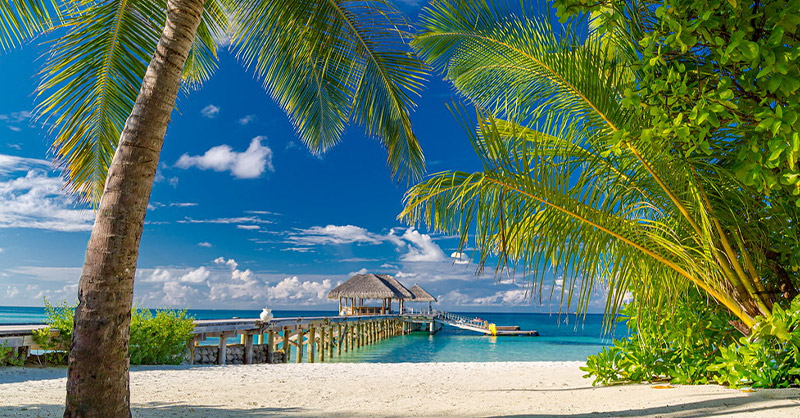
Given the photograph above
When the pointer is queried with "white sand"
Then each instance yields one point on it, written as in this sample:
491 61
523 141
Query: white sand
532 389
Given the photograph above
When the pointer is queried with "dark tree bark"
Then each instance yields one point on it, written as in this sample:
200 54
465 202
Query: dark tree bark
97 383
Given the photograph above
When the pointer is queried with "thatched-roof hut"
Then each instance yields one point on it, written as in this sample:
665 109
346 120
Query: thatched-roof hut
351 294
421 295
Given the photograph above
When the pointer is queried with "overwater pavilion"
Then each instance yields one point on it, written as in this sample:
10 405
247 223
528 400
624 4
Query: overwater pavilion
352 294
421 295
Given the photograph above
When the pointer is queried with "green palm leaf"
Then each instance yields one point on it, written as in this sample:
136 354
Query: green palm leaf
328 62
93 73
22 19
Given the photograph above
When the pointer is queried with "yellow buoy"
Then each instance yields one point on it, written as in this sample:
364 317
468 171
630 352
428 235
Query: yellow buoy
493 329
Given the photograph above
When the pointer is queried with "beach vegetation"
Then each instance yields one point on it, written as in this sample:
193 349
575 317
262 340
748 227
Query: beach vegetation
642 148
111 79
156 338
10 356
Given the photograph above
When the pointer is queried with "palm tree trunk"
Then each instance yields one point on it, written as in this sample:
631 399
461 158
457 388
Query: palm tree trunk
97 383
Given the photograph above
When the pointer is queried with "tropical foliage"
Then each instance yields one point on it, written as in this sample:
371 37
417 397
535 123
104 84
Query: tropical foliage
348 62
584 175
156 338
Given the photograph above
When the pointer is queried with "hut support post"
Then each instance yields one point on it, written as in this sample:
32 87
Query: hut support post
330 343
339 339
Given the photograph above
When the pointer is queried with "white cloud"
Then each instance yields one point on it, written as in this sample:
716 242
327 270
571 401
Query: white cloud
246 119
421 247
10 164
334 234
459 258
249 164
38 201
293 289
13 119
248 227
210 111
230 262
236 220
204 244
507 297
299 249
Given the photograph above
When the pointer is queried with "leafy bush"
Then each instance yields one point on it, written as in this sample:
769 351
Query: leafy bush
9 356
769 357
694 344
59 318
155 339
159 338
676 345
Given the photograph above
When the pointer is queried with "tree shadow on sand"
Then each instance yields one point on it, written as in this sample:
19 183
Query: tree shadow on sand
717 407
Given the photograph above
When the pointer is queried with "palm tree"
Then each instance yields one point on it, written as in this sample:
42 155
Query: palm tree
562 188
326 63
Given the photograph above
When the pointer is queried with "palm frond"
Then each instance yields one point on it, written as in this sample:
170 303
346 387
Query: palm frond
20 20
93 74
522 64
212 32
330 62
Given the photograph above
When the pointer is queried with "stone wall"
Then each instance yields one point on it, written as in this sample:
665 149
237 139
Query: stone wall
208 354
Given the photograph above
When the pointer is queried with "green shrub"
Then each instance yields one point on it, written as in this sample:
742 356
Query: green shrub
695 344
769 357
159 338
10 356
59 318
155 339
676 345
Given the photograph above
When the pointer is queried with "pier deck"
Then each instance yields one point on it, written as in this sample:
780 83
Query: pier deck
315 338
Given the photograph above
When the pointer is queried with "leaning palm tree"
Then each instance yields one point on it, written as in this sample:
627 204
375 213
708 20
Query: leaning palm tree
561 189
326 63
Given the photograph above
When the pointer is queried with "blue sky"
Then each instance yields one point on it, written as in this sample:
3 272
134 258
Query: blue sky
241 215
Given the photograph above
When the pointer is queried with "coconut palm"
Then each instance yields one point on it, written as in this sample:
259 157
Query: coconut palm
325 62
572 180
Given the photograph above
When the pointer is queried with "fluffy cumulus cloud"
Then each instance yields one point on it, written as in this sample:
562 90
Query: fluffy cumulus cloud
459 258
249 164
421 247
294 289
210 111
30 197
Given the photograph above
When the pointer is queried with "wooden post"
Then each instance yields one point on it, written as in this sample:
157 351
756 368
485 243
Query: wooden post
223 349
330 343
260 339
270 346
248 349
312 334
322 344
287 347
300 336
339 339
242 338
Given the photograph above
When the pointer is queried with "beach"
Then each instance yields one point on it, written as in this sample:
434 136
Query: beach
533 389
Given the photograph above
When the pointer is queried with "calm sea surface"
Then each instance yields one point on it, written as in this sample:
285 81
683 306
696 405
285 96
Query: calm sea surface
561 339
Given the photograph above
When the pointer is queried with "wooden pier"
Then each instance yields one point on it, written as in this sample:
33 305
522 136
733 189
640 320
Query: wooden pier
311 339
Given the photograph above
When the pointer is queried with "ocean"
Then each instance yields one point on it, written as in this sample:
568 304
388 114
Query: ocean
562 338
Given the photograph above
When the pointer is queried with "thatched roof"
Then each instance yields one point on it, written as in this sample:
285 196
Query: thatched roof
421 295
370 286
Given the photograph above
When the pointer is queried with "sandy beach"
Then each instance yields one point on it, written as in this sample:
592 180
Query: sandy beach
532 389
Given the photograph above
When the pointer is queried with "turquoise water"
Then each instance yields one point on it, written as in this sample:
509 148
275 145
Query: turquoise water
561 338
